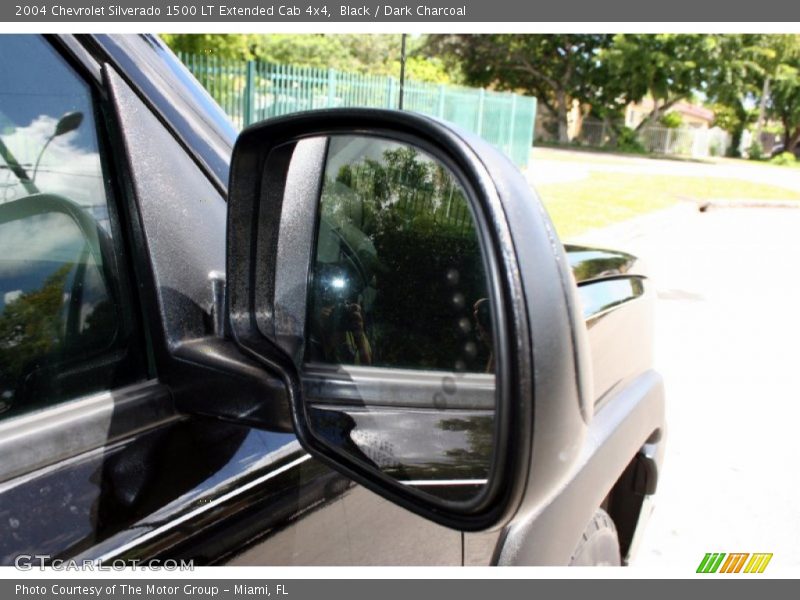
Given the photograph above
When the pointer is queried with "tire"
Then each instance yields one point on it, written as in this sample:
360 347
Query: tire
599 544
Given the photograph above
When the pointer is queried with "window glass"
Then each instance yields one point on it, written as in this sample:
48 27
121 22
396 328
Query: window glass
63 329
398 278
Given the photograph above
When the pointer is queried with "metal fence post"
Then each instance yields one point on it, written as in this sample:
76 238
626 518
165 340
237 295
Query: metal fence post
250 94
390 103
481 98
331 88
511 124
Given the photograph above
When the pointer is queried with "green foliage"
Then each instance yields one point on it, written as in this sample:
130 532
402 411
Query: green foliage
671 120
410 228
319 51
742 75
428 69
628 141
755 152
745 68
367 54
729 118
665 67
31 328
557 69
232 46
784 159
401 191
786 97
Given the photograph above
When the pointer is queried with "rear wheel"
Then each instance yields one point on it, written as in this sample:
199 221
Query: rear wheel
599 544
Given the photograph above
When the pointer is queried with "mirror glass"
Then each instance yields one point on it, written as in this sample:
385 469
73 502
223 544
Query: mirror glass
399 368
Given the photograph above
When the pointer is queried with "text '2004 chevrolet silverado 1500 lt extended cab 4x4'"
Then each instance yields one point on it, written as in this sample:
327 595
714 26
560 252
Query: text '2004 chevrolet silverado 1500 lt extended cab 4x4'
343 337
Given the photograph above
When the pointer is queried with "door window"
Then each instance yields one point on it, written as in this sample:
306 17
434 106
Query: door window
64 327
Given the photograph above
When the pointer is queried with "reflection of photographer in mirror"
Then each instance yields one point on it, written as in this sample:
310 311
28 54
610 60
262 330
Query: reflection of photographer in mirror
338 334
481 311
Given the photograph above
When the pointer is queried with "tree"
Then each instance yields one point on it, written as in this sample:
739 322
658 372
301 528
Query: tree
779 57
785 100
735 80
30 331
367 54
668 68
756 70
783 103
232 46
557 69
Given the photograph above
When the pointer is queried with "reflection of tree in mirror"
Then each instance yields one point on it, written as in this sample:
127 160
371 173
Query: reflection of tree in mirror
406 220
34 338
31 327
469 461
601 266
474 460
403 188
589 263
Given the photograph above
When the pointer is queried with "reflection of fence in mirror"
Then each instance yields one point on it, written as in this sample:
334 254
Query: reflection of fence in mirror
400 365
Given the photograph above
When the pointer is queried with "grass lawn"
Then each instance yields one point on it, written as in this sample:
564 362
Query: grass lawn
606 198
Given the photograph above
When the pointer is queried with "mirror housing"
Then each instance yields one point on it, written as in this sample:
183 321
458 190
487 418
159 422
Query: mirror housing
275 186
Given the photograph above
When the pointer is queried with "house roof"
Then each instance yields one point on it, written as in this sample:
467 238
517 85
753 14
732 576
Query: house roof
692 110
684 108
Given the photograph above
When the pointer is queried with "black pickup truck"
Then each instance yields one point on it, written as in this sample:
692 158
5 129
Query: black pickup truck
343 337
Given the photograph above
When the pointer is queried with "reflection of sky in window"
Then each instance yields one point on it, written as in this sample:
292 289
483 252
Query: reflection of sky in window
28 257
38 89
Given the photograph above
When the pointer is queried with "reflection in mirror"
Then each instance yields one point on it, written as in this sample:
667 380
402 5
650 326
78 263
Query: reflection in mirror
399 365
55 305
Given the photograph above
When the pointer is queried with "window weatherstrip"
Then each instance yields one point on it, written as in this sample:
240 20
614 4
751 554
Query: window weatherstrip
51 435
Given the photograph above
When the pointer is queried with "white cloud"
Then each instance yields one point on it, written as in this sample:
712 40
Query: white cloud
65 168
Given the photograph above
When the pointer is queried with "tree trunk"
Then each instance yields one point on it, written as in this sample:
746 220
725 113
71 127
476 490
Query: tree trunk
793 140
738 130
736 141
651 118
656 113
762 109
787 132
563 125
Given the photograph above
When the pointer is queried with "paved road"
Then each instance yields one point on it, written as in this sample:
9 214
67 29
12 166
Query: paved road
728 344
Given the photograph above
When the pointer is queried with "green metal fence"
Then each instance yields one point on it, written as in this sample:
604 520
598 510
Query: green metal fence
251 91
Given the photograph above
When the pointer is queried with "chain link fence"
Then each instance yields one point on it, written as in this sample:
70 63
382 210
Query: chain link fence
685 141
680 141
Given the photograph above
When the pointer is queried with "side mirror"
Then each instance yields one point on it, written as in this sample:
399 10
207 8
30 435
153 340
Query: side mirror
372 267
